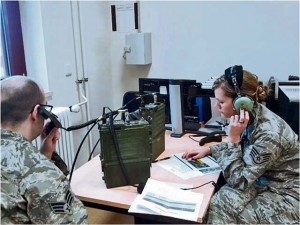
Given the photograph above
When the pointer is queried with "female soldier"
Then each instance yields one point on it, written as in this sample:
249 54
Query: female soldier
259 160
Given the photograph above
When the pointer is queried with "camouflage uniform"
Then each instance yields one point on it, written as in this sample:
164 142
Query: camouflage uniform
33 189
262 174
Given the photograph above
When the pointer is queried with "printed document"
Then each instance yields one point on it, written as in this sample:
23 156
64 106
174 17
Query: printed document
189 168
160 198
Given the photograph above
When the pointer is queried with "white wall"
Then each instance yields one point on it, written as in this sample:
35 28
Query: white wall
201 39
50 50
190 40
34 45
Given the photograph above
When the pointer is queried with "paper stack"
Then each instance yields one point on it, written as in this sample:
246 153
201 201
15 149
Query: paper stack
161 198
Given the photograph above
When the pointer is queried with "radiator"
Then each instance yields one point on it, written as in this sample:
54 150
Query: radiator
65 144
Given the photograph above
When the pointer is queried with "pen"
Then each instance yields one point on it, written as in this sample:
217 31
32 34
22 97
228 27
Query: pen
162 159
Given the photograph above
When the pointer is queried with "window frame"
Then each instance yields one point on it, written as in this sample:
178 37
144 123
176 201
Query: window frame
13 55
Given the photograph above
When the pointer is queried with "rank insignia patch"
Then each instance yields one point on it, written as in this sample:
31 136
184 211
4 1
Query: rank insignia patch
259 158
63 207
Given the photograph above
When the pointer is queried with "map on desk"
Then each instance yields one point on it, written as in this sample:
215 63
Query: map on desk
188 168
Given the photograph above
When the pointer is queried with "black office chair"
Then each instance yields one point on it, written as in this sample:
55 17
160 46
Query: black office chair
133 105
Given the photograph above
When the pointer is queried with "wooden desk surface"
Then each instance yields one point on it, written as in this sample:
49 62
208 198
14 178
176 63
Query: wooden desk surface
88 185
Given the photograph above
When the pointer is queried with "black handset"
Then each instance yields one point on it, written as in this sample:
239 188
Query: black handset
54 121
50 127
210 138
58 161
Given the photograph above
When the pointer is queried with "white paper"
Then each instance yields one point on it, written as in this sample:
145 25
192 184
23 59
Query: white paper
160 198
187 169
178 168
204 165
125 17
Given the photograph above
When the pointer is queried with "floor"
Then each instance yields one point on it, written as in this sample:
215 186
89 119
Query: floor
97 216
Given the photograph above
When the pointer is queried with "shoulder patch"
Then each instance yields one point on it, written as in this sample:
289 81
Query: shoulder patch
63 207
259 158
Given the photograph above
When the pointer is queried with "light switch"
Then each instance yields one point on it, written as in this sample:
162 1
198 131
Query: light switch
67 70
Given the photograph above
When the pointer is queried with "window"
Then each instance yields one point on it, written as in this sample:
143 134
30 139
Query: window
12 49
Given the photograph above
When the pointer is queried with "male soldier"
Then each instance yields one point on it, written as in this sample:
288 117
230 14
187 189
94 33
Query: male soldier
33 189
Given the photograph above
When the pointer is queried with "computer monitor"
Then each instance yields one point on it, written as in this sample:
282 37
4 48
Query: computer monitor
288 102
161 88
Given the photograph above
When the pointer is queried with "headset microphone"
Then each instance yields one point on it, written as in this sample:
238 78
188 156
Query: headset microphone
234 76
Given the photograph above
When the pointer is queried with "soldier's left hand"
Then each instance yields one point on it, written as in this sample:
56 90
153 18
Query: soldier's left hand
49 142
237 124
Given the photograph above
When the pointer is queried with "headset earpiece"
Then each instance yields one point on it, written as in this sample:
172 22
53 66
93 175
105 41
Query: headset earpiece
234 76
243 103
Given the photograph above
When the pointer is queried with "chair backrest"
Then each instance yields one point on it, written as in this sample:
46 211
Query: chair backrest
127 97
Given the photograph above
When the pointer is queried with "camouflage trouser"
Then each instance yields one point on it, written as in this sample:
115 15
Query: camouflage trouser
230 205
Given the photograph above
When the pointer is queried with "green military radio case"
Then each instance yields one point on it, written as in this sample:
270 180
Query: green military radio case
134 150
155 114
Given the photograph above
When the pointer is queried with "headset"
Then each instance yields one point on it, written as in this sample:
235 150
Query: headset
234 76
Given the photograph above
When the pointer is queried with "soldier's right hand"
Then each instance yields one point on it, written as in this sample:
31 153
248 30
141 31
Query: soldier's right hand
197 153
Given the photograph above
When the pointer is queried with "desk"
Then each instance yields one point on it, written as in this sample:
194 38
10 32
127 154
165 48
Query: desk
88 185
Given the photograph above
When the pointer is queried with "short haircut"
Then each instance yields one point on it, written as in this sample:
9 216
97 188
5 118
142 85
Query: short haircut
19 95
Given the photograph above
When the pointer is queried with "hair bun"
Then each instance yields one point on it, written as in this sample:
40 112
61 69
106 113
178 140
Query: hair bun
261 92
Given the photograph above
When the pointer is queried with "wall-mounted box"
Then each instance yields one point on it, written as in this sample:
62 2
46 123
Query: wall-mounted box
138 49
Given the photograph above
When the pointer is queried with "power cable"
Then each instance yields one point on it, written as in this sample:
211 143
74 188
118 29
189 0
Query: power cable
79 148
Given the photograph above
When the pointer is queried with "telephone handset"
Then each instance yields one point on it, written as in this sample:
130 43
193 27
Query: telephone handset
50 127
58 161
54 121
234 76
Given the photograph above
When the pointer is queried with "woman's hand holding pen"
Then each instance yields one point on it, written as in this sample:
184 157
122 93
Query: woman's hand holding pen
197 153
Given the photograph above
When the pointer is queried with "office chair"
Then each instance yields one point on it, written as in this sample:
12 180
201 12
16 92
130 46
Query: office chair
134 105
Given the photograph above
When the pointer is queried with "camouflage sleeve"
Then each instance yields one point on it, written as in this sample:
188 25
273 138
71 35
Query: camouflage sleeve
50 200
60 163
242 167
